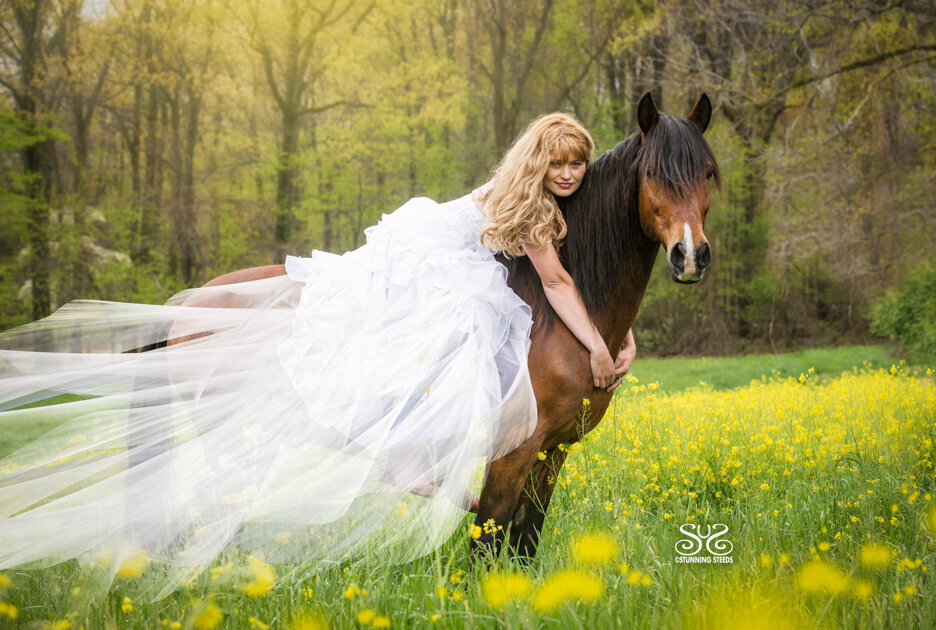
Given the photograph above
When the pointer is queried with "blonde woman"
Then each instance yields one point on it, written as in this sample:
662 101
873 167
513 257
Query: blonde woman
549 160
348 407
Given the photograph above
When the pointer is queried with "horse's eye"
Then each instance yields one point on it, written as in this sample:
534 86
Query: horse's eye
648 173
710 174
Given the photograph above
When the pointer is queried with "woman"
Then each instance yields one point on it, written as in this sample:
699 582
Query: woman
549 160
348 407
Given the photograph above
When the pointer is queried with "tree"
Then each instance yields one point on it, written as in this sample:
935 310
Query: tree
292 65
33 45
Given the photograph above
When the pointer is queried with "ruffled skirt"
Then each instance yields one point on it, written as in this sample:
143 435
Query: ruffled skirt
349 407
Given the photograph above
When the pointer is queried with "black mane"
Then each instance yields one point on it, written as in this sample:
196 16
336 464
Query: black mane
604 231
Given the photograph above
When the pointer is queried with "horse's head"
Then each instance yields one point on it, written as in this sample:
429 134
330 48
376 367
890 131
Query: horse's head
674 164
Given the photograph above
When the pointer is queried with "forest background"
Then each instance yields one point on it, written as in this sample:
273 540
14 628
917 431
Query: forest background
149 145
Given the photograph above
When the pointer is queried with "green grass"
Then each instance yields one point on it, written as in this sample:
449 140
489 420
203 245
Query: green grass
17 432
677 374
805 473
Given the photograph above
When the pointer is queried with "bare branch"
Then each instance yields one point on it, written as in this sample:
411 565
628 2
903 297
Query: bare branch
855 65
326 107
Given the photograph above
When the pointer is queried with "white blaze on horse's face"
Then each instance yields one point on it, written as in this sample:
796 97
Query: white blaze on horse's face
678 225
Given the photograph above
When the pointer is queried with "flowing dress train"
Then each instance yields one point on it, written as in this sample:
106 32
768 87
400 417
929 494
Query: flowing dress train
347 408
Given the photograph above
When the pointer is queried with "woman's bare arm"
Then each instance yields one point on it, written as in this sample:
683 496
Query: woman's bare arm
564 297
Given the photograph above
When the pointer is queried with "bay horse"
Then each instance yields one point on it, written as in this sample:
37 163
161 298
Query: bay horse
650 189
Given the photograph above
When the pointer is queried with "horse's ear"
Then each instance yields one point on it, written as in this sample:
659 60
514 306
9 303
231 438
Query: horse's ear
701 112
647 114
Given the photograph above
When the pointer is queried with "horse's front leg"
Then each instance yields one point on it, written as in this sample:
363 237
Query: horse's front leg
500 493
533 502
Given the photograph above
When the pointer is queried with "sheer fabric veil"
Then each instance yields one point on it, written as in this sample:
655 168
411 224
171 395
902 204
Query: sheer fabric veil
349 407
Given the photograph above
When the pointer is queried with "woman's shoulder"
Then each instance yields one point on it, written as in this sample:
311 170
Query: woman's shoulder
478 194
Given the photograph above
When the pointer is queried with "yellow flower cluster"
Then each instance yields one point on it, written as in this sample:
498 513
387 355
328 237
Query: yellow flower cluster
133 564
876 556
368 617
208 616
594 550
263 578
822 577
499 589
564 586
7 610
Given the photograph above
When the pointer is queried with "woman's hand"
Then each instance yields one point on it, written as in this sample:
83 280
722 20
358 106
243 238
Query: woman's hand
602 367
624 359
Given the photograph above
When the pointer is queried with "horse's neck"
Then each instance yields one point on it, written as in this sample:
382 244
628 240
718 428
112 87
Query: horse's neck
617 316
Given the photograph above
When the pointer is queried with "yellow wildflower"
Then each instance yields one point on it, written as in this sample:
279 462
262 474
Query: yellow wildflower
823 546
9 610
366 616
875 556
4 580
133 565
862 589
822 577
263 578
61 624
310 623
594 549
104 555
351 591
564 586
441 592
127 605
208 617
541 455
499 589
474 531
381 622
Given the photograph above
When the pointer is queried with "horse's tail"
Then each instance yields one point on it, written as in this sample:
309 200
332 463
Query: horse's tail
150 346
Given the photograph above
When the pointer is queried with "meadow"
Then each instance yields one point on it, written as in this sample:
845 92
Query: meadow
819 465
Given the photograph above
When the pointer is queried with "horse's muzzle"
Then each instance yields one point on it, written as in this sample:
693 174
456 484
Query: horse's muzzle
687 264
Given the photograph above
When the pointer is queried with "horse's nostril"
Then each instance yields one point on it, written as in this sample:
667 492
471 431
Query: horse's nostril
704 255
678 254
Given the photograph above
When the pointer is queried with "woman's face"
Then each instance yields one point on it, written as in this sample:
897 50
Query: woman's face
563 178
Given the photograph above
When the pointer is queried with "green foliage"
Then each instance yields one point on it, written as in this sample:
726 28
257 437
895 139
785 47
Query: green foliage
826 184
908 314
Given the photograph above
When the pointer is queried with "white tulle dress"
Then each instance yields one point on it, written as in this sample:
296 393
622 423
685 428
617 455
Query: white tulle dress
347 408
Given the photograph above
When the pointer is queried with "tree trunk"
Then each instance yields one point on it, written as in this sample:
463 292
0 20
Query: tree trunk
286 175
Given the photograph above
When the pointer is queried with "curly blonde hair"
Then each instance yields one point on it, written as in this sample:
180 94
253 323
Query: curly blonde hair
519 207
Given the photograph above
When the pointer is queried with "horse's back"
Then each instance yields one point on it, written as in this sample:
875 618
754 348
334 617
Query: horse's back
248 275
